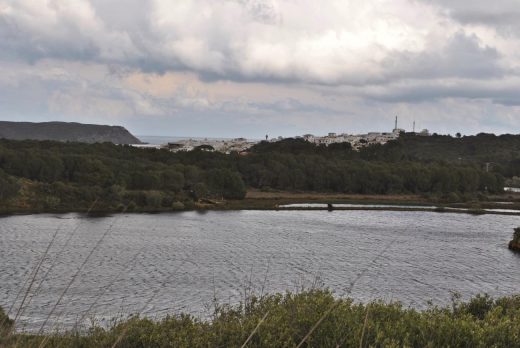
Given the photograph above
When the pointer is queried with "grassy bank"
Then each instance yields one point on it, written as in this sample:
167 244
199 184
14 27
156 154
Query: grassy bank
257 200
314 319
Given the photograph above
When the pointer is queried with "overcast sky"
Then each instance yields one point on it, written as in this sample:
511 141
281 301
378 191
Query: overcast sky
250 67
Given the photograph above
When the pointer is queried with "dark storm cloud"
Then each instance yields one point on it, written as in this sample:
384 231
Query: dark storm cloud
17 43
419 93
502 15
462 56
291 105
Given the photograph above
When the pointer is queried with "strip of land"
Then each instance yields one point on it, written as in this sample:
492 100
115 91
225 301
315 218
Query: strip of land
508 204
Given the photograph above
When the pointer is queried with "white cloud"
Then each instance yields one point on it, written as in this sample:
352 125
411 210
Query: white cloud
351 63
334 42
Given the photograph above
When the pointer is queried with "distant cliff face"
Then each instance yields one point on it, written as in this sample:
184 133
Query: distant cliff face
65 131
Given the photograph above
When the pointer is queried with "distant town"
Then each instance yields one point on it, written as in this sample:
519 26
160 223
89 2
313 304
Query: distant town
242 145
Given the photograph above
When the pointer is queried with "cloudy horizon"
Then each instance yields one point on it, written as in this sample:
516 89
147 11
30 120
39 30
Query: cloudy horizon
253 67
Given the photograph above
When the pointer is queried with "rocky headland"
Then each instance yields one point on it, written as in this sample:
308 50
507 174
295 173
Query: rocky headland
66 131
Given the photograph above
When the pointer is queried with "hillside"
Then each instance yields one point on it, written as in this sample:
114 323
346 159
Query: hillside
66 131
501 153
50 176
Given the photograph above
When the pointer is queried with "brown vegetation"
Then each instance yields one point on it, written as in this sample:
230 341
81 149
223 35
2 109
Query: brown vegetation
514 244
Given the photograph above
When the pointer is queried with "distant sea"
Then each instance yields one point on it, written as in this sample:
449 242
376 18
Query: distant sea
160 140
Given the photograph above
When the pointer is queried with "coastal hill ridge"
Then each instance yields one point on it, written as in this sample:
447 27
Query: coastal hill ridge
66 131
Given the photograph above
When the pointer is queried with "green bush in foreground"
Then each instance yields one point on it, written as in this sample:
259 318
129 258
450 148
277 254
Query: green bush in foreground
5 323
481 322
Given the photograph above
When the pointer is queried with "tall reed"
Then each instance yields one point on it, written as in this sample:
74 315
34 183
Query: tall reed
131 263
74 277
150 299
56 258
349 290
31 282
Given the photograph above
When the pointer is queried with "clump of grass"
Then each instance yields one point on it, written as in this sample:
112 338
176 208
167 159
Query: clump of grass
514 244
480 322
476 211
6 323
516 235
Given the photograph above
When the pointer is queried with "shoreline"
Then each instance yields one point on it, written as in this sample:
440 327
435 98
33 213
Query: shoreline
284 202
481 320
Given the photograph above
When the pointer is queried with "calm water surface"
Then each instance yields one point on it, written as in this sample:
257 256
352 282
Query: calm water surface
167 263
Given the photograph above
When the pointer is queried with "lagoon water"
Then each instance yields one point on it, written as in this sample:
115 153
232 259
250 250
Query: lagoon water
170 263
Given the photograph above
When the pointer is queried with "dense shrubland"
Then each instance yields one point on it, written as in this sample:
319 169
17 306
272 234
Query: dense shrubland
54 176
45 175
481 322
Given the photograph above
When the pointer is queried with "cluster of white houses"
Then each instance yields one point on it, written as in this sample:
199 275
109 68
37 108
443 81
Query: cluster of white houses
241 145
225 146
358 140
220 145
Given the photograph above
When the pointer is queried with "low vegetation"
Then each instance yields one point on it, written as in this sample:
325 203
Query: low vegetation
290 319
514 244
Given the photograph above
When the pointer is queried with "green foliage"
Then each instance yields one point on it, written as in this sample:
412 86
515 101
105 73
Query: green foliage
9 187
144 181
70 176
226 183
501 151
131 206
516 235
178 206
199 190
5 324
172 180
481 322
153 199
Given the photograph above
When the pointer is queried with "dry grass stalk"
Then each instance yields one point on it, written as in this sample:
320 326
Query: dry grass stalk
315 326
31 283
255 329
349 290
125 329
55 259
74 277
29 276
131 262
114 279
364 328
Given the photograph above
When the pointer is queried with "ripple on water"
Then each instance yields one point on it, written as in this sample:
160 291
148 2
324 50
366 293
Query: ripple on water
159 264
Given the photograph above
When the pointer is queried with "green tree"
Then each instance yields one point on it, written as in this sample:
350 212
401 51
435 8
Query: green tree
226 183
172 180
9 187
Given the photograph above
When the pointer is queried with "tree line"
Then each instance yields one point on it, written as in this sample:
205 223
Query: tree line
51 174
